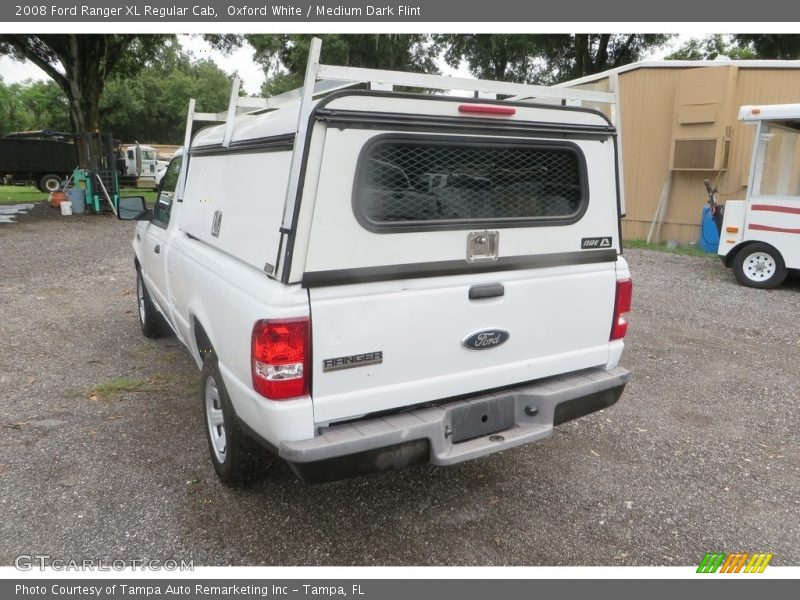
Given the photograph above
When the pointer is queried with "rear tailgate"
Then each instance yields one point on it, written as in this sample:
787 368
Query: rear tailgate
451 260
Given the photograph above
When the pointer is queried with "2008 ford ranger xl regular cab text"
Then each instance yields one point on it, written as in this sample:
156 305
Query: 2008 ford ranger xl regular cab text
370 279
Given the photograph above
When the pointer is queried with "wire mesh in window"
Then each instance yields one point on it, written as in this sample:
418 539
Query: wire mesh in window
418 181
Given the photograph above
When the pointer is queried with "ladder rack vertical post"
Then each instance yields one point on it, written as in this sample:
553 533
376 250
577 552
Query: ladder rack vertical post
303 116
232 104
187 139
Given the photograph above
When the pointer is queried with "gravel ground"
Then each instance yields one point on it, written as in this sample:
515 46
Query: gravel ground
702 453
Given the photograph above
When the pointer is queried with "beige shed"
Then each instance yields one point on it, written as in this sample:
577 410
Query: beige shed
678 126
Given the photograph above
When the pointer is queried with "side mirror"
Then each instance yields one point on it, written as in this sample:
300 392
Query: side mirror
133 208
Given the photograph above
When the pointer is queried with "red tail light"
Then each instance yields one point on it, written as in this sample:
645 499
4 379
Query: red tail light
487 109
622 305
280 358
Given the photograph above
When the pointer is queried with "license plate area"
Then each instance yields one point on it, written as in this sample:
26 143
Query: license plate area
481 418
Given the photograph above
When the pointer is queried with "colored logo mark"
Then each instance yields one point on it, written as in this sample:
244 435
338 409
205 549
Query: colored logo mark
734 563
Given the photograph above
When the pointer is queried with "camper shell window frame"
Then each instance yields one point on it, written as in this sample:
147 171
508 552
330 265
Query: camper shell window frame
359 206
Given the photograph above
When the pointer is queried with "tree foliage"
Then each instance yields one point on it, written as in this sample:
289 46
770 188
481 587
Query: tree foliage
740 46
493 56
144 101
81 64
33 105
770 45
545 59
710 47
150 106
284 56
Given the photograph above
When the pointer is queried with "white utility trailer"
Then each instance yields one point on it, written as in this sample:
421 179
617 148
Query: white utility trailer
760 236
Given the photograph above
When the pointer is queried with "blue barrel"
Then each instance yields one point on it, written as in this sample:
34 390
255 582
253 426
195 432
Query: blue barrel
78 198
709 236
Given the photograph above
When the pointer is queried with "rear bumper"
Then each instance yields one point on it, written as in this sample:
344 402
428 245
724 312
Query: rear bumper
427 434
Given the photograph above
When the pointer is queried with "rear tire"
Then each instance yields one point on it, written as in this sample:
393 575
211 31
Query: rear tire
50 183
759 266
150 320
233 454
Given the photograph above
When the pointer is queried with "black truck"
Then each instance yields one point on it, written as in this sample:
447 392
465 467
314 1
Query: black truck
44 158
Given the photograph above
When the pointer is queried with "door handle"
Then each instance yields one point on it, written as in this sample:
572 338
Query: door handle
491 290
157 249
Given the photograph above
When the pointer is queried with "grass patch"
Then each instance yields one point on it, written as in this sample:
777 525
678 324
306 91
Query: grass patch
149 195
25 194
159 382
20 194
686 250
115 387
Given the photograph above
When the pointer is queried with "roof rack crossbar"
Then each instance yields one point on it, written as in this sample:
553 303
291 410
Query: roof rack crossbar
519 91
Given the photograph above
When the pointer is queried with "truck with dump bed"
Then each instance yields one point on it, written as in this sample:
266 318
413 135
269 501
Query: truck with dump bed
44 158
369 279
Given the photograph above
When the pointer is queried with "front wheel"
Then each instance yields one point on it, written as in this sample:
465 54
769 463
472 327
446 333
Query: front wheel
759 266
232 452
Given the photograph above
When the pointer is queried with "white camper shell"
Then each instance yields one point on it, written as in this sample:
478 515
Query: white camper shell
370 278
760 235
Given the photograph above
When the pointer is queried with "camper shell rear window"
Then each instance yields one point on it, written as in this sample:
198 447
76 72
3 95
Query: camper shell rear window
413 183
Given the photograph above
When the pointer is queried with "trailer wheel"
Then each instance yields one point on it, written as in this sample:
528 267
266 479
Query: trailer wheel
759 266
50 183
233 454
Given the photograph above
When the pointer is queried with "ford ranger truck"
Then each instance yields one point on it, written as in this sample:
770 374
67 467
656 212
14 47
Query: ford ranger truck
431 279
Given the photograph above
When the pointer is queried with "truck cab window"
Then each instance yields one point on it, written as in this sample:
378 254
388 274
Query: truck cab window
166 194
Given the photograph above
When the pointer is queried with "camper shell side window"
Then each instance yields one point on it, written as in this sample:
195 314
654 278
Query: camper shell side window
413 183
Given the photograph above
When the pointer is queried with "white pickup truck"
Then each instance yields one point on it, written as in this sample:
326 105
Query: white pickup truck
350 316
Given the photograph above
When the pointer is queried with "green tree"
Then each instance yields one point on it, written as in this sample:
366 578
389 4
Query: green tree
494 56
8 107
45 106
769 45
740 46
33 105
284 57
710 48
81 65
545 58
150 106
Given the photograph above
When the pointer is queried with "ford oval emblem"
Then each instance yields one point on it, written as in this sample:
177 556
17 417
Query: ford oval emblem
486 339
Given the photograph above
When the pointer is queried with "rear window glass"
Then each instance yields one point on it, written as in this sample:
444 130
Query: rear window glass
404 183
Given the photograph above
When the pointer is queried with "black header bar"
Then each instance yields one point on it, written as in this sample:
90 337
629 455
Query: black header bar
409 11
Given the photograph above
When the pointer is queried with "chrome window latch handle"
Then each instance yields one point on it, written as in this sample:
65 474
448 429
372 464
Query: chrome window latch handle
483 246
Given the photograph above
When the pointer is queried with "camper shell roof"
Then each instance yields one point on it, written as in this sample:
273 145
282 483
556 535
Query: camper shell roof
260 125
